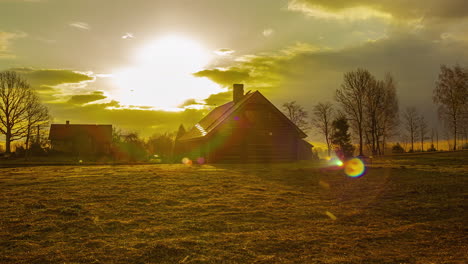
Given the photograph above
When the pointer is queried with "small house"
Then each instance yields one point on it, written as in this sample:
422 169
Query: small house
80 139
249 129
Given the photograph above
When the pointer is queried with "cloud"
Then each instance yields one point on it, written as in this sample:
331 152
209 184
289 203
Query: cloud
52 77
268 32
128 36
224 52
80 25
219 99
257 71
58 91
225 77
189 102
311 75
6 39
81 99
363 9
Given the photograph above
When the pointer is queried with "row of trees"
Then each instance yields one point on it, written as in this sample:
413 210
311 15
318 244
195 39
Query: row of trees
371 107
21 112
130 146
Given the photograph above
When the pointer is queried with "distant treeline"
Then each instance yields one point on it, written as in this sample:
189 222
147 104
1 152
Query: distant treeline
370 108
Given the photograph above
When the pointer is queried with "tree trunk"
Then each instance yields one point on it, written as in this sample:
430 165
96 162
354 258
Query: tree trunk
360 141
383 145
412 141
454 133
7 142
28 136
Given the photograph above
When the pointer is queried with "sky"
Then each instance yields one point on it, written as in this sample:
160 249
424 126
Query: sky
148 66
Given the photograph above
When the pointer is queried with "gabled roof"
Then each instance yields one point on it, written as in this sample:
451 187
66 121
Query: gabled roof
221 113
100 133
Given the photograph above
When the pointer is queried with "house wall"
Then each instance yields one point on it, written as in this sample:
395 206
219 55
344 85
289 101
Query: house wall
83 145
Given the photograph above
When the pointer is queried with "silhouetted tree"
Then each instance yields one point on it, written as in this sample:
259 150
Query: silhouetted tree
422 128
397 148
341 137
296 114
388 118
322 120
411 124
15 98
128 146
451 94
162 145
37 115
352 97
134 147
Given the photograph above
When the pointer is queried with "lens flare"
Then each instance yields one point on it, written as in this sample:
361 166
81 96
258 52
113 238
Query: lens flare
201 160
354 168
187 161
335 162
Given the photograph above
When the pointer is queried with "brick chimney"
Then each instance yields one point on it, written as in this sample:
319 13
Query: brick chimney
237 92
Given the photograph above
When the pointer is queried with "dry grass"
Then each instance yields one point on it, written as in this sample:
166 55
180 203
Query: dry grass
401 211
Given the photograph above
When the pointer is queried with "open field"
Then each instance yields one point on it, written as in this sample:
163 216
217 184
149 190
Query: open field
410 209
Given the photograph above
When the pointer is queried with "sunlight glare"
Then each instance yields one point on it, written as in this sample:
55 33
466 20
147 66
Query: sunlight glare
162 76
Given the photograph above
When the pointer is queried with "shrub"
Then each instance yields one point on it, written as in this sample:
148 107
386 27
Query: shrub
432 148
397 148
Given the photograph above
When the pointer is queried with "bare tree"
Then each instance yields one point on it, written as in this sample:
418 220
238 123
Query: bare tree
296 114
15 95
322 120
389 118
422 127
352 97
37 114
372 111
411 124
451 94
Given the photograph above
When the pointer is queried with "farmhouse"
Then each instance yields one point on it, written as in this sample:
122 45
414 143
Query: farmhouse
77 139
250 129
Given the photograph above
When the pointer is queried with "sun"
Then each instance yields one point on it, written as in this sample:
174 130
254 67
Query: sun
162 74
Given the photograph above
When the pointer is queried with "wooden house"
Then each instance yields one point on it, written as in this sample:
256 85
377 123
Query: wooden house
78 139
250 129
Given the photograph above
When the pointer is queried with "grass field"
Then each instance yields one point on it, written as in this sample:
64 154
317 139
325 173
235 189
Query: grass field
406 209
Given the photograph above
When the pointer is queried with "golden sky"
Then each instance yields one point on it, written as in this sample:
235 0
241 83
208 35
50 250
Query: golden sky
150 65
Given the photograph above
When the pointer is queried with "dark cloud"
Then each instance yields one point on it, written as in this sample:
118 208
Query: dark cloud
219 99
397 8
51 77
86 98
225 77
312 76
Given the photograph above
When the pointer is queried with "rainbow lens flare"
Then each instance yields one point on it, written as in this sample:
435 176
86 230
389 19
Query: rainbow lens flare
354 168
187 161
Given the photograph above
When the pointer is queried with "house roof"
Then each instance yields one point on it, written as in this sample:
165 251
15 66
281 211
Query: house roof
100 133
221 113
